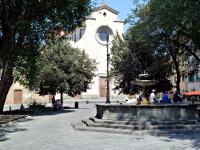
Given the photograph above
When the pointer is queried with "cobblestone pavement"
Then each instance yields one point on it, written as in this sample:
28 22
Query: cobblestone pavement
53 131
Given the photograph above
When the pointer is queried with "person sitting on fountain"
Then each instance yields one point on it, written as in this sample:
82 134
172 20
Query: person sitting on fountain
143 99
152 97
177 97
165 98
131 99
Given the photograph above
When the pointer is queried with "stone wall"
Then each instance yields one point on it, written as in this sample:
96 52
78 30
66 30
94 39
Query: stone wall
28 96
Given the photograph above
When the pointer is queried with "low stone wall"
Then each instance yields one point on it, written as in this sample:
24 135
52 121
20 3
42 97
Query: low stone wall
161 112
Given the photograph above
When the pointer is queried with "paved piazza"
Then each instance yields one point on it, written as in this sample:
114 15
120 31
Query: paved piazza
53 131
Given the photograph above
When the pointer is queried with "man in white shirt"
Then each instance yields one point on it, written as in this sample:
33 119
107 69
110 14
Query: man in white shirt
152 97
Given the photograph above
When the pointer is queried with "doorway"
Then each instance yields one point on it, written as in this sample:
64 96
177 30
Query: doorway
103 86
17 96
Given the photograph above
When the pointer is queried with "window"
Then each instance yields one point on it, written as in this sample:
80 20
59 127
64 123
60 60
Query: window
191 77
103 33
82 31
197 78
72 37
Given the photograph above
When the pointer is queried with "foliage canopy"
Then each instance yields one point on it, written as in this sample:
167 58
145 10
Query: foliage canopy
64 69
24 25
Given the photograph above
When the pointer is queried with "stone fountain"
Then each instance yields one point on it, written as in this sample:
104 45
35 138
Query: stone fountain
144 81
111 117
146 111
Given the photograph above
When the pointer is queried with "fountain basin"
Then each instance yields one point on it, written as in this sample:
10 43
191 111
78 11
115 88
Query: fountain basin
145 83
160 112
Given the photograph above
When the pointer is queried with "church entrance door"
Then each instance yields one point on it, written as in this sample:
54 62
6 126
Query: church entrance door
103 86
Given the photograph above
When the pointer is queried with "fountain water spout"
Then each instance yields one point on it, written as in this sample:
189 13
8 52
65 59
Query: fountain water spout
144 81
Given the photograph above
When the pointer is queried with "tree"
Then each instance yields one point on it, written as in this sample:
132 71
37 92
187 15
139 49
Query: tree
124 66
64 69
23 27
131 56
154 19
180 18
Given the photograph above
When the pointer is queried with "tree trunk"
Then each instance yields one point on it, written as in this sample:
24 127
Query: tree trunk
176 64
61 97
53 99
7 76
5 83
178 80
7 46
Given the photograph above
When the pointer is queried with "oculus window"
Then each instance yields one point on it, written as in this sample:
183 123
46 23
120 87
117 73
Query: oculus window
102 33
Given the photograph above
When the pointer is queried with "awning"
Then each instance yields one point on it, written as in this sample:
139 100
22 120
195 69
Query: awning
191 93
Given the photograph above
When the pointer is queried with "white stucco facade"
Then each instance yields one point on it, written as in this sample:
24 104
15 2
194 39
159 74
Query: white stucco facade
91 37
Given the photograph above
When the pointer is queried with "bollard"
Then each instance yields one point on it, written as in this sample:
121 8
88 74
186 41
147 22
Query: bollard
76 105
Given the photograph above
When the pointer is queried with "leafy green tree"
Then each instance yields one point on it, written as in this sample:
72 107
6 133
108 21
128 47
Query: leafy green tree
153 18
64 69
132 56
23 28
124 66
182 19
178 18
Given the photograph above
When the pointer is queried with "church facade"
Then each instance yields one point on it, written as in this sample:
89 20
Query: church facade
92 37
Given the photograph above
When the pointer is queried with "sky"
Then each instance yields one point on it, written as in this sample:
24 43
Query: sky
122 6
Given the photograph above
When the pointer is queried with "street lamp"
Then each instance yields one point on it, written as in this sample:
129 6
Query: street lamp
1 70
108 74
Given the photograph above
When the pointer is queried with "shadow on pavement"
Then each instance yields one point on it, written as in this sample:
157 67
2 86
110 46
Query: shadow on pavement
13 126
191 135
3 137
10 128
51 112
39 112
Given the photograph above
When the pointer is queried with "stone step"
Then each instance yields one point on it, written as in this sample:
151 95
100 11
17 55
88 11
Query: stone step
136 122
82 127
146 126
94 119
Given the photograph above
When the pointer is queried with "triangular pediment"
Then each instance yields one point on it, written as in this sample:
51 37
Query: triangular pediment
104 6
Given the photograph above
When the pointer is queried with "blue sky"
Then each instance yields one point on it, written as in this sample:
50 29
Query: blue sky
123 6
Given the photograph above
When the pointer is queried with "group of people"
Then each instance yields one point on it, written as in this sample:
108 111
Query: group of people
156 98
165 97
